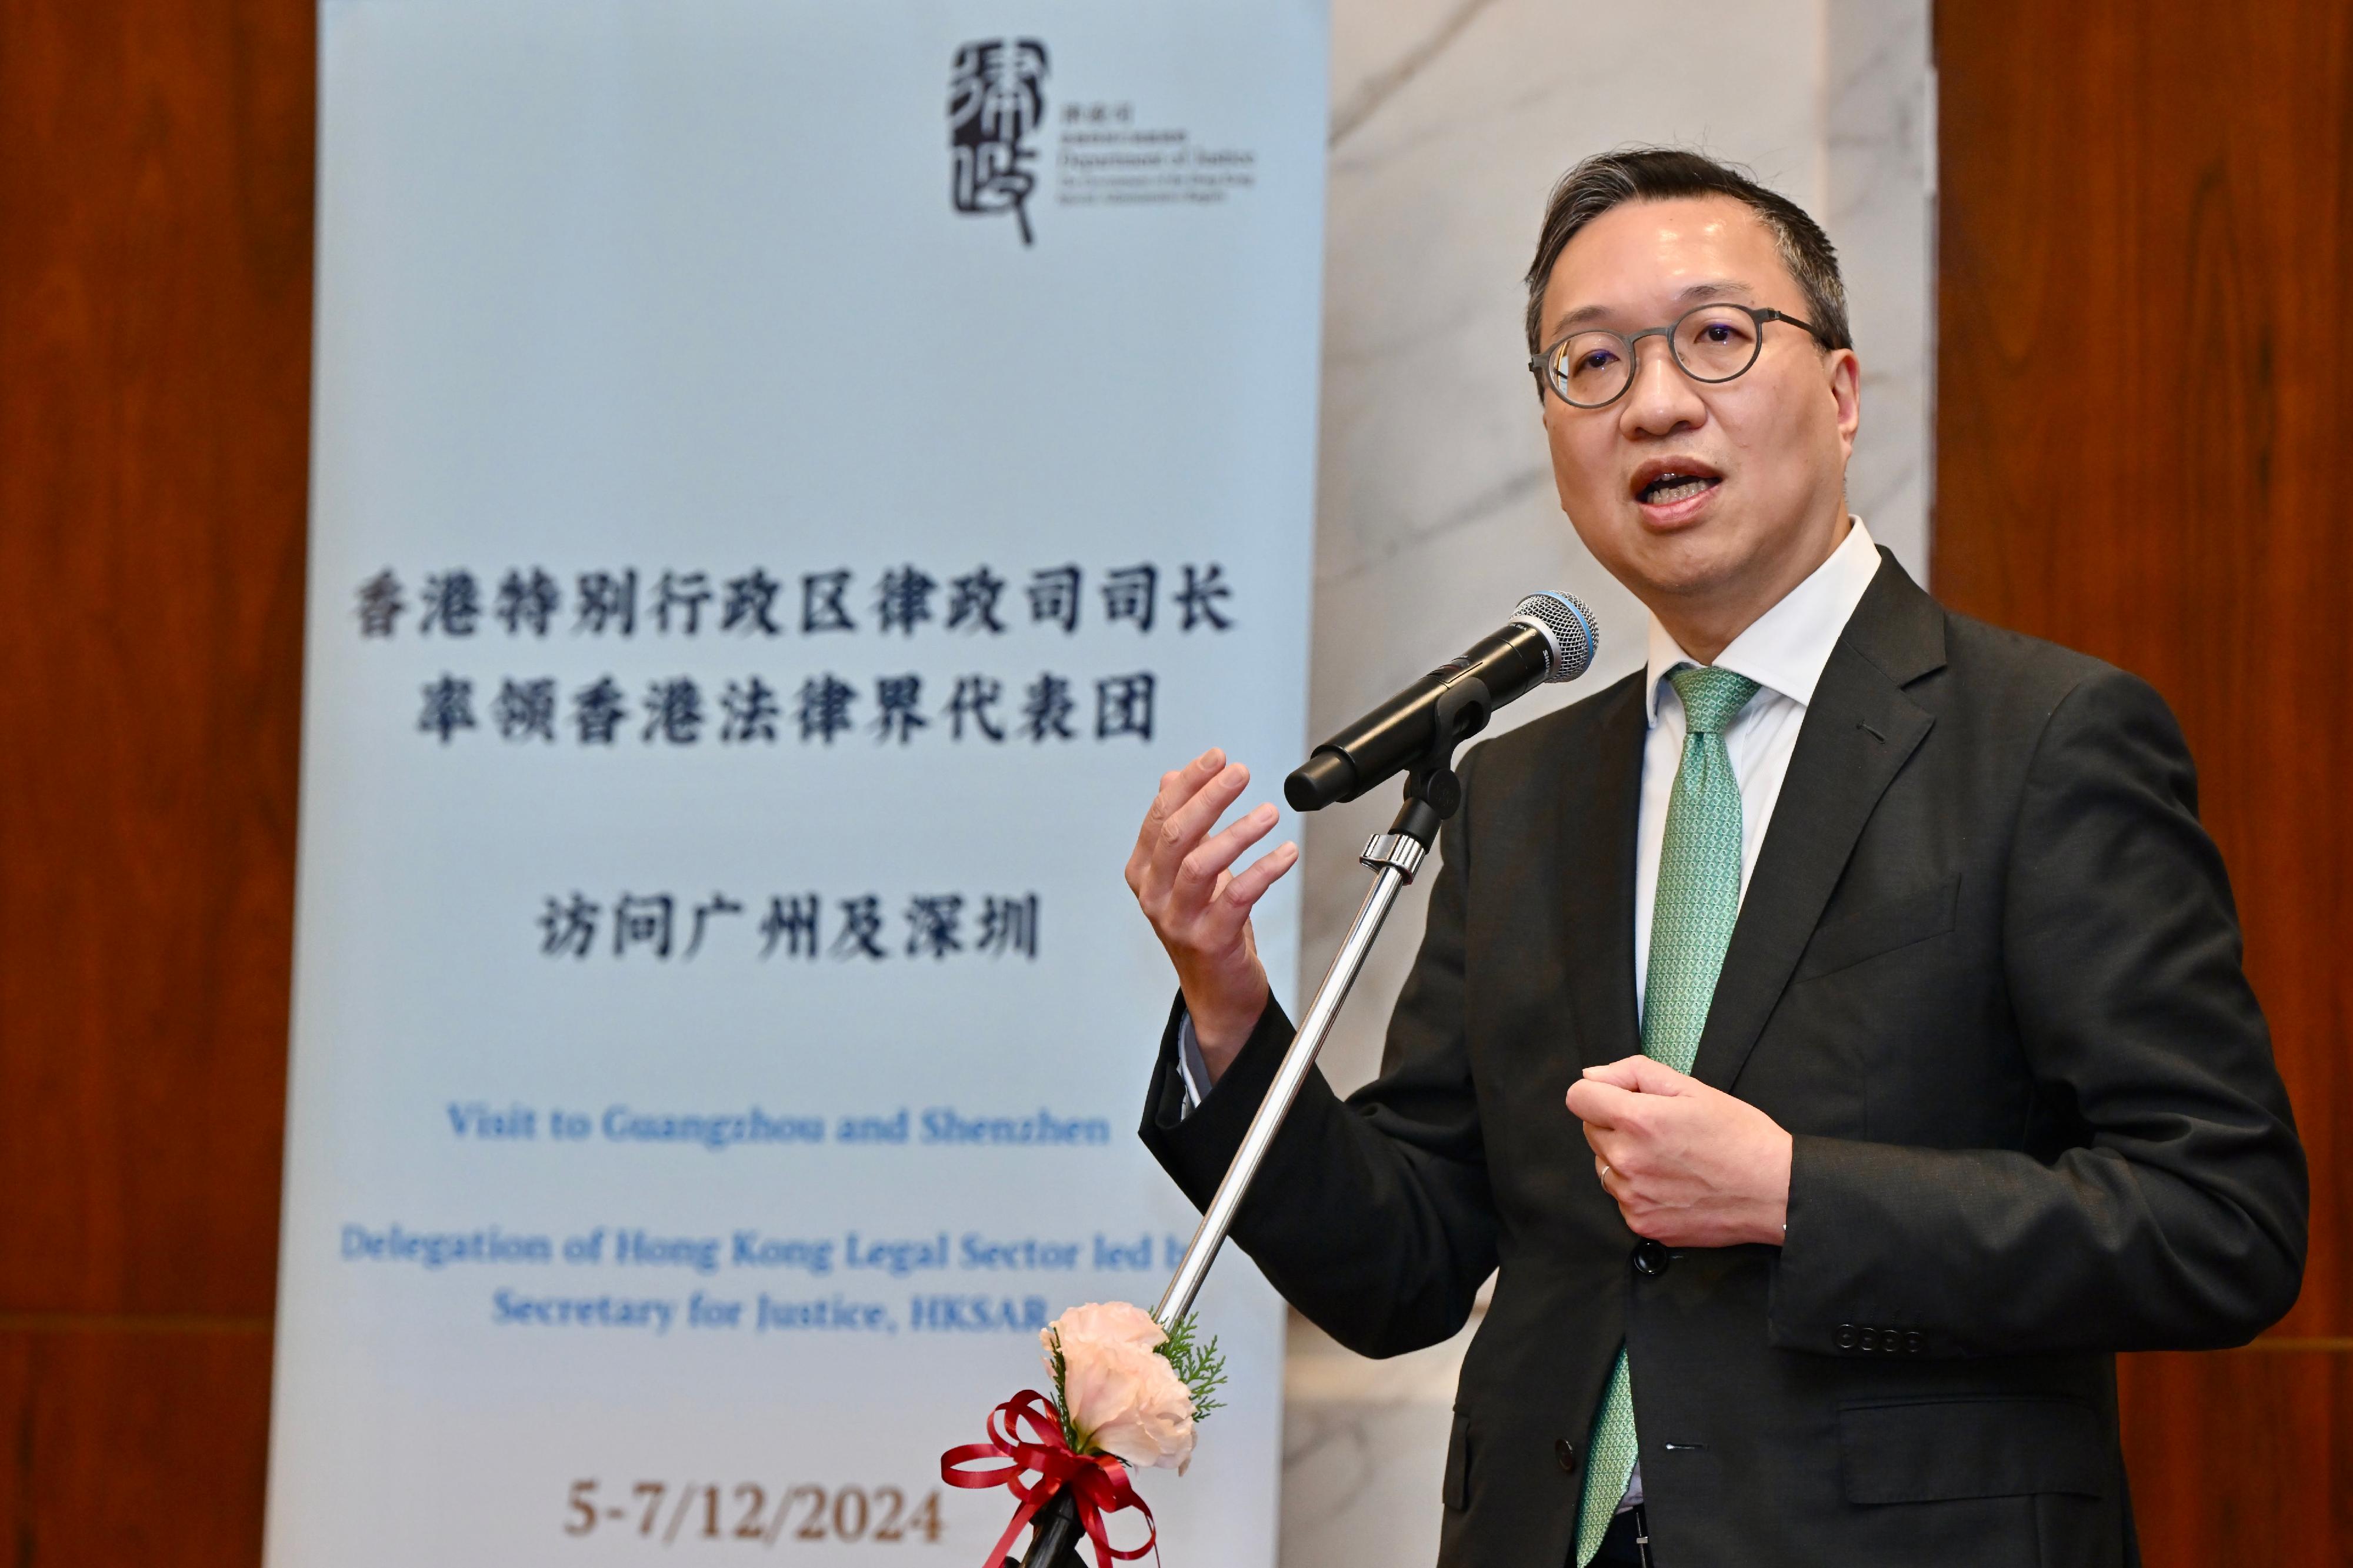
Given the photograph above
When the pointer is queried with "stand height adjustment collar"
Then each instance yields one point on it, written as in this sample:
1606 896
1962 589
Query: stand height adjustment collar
1395 849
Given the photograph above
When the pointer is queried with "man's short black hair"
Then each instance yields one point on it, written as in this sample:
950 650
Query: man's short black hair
1609 180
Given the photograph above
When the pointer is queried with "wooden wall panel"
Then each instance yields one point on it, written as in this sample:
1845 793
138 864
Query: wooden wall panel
155 324
155 198
2144 374
133 1446
2276 1489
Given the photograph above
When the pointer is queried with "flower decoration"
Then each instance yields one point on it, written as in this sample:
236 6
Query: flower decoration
1128 1393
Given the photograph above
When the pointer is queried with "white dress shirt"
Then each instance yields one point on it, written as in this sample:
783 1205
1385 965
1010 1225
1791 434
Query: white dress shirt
1784 651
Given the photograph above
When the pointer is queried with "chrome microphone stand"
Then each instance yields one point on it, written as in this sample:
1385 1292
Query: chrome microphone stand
1433 794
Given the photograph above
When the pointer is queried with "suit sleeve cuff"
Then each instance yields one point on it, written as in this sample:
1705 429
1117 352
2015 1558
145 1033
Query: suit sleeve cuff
1195 1140
1829 1294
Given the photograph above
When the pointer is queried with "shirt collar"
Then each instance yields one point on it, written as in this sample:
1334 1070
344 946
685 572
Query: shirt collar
1785 649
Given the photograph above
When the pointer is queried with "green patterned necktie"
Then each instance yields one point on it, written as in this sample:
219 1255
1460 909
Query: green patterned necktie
1697 900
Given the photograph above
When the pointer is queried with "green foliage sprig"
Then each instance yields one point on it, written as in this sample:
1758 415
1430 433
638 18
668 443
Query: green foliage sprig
1078 1444
1198 1364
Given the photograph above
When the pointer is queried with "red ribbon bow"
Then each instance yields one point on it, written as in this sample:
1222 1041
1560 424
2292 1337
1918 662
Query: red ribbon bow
1097 1483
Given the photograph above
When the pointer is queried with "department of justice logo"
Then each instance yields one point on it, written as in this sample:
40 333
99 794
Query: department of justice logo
997 99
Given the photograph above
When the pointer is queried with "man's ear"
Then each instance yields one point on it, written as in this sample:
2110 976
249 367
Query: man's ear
1846 394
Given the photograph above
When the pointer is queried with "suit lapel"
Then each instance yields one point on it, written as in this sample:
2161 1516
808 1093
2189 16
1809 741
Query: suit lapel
1859 732
1597 881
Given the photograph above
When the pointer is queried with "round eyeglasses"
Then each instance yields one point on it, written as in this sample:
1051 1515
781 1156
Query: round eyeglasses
1592 369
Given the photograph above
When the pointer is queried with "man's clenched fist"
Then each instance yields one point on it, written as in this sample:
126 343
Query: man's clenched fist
1688 1165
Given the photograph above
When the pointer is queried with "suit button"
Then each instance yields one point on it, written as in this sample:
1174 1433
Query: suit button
1866 1339
1651 1259
1566 1452
1916 1343
1844 1338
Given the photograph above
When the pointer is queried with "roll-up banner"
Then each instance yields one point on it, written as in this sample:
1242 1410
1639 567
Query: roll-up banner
788 476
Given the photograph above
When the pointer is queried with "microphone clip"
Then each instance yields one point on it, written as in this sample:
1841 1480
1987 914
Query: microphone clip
1433 790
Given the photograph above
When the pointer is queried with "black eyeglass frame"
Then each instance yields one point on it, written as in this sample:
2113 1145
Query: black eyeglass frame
1547 379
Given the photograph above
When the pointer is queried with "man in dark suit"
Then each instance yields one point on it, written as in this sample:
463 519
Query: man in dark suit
1832 1037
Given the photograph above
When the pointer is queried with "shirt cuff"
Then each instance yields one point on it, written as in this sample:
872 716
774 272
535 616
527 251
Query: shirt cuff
1191 1066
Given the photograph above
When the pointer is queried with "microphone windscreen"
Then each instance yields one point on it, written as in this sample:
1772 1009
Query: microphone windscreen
1569 630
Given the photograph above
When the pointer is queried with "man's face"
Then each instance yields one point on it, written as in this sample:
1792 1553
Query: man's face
1690 493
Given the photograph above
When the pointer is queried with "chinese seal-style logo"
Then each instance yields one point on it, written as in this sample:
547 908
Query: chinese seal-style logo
996 98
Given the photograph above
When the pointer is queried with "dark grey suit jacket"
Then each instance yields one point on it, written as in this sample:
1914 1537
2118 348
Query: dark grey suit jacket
1986 973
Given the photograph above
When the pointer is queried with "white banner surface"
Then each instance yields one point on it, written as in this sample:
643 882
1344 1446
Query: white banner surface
787 478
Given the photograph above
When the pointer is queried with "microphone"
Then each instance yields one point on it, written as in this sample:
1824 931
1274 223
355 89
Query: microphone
1550 637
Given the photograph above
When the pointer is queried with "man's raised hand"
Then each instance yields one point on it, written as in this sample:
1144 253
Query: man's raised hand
1183 878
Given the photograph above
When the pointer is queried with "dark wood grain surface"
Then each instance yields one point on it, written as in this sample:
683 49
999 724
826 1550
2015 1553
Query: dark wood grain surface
2145 450
134 1445
2244 1457
154 327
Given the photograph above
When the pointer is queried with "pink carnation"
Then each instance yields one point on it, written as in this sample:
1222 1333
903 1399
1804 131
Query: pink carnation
1114 1320
1121 1395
